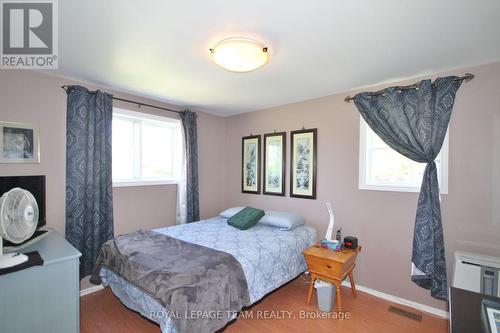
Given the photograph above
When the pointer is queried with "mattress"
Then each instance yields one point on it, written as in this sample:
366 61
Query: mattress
270 257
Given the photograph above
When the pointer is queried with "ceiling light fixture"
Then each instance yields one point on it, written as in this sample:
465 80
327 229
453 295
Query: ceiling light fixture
239 54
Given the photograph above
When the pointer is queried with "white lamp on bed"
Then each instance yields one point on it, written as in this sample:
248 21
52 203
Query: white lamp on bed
329 231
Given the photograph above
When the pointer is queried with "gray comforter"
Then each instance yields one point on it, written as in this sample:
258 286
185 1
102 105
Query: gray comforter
201 288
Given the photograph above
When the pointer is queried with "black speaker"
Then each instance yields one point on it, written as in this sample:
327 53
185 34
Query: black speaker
350 242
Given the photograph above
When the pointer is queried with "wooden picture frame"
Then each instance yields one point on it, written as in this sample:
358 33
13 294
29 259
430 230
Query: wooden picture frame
274 163
303 160
19 143
250 164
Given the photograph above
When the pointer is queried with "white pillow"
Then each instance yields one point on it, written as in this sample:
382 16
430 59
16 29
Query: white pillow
230 212
282 220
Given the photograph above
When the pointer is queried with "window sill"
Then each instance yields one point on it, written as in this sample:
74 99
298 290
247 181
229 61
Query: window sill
388 188
144 183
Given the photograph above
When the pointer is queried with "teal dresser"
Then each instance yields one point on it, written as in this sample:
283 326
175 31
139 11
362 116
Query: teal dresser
43 299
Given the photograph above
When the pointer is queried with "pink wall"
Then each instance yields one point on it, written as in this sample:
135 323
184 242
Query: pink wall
33 97
383 221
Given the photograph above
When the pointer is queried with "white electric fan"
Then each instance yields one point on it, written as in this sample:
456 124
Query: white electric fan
18 221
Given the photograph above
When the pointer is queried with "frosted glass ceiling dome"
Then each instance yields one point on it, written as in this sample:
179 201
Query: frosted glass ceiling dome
239 54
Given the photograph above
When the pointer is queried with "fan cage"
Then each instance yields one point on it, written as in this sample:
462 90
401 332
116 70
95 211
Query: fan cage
18 215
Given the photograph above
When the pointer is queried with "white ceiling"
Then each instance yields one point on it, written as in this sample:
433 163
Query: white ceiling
159 48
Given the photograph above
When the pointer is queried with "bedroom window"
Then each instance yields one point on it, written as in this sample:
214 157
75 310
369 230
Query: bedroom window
382 168
146 149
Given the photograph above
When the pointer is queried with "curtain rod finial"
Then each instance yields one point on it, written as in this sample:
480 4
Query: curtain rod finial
468 77
348 99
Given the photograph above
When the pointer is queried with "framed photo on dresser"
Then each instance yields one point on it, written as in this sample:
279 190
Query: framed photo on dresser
491 315
274 163
303 163
250 164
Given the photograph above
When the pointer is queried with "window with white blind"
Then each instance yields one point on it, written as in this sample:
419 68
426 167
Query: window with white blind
384 169
146 149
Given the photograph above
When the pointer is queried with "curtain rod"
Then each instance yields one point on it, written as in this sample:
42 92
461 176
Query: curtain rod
139 104
466 77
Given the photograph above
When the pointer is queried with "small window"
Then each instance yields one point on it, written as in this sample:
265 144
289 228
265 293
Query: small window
384 169
146 149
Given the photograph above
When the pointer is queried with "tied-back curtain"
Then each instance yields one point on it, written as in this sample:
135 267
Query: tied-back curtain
188 209
414 123
89 196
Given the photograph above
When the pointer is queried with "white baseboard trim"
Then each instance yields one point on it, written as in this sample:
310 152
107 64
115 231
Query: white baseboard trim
421 307
91 290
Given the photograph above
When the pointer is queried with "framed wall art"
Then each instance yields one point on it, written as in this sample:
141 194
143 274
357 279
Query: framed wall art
250 165
303 163
19 143
274 163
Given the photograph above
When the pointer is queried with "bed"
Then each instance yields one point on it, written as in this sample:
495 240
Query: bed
269 257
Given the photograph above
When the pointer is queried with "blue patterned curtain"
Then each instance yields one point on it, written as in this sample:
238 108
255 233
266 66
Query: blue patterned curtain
189 125
89 196
414 123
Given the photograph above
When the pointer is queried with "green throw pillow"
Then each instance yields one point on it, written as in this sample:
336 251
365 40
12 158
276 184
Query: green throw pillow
246 218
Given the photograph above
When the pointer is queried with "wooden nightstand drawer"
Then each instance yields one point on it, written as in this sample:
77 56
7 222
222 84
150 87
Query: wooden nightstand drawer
323 266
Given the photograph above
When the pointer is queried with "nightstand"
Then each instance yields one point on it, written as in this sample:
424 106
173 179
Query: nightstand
331 266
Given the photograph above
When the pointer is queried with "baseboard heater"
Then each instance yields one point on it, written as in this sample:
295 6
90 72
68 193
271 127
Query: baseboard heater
477 272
